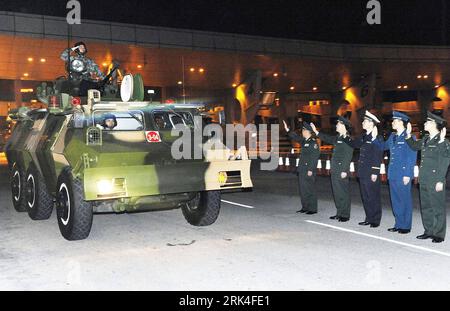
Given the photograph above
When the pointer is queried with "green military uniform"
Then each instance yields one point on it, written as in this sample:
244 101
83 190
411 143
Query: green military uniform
309 156
340 163
435 159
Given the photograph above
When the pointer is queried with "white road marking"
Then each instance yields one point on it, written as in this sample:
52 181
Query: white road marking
382 239
237 204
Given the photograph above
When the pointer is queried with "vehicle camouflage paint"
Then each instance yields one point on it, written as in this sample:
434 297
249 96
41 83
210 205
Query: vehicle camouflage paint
62 156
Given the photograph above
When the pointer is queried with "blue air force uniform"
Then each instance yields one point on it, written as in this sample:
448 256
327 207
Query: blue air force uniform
401 164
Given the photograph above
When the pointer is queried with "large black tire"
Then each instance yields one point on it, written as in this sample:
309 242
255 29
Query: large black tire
74 214
17 181
203 210
38 199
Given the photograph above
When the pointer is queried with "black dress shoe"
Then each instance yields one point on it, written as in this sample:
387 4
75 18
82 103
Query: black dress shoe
374 226
343 219
334 217
438 240
424 237
393 230
364 223
404 231
310 213
302 211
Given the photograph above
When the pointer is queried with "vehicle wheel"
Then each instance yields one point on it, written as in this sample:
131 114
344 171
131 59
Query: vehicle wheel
17 179
39 202
74 214
204 209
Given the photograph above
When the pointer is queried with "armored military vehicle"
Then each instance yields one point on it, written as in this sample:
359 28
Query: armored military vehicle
67 155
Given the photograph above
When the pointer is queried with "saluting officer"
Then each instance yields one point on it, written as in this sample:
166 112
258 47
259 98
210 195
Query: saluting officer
340 166
435 159
370 157
307 168
400 173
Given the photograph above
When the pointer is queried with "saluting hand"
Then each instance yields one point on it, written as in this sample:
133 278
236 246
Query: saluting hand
408 130
439 187
314 128
406 180
374 133
286 126
443 134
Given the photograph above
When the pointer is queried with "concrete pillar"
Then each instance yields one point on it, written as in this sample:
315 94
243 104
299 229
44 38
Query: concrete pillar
17 93
425 99
163 94
248 94
444 94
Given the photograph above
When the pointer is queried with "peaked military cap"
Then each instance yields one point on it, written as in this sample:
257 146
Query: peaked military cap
371 117
435 118
346 121
307 126
400 116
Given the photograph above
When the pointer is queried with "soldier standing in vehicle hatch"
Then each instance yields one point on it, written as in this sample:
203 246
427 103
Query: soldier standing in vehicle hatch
340 166
369 164
435 159
307 168
92 71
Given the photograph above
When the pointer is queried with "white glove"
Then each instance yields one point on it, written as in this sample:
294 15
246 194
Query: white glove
314 128
344 175
374 133
286 126
408 130
75 47
443 134
406 180
374 178
439 187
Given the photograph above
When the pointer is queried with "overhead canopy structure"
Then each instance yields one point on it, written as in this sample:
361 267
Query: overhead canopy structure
30 46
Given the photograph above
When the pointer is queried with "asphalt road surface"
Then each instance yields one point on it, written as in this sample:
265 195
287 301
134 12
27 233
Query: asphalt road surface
258 243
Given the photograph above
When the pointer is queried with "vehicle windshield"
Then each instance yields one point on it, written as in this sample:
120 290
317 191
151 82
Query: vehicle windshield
119 120
168 120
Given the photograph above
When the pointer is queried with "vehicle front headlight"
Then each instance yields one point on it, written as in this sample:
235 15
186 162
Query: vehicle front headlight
105 186
223 177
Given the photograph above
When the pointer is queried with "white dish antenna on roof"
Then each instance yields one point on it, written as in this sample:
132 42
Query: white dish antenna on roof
126 89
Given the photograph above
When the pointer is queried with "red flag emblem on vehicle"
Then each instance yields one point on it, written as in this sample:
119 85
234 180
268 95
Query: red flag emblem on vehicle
153 137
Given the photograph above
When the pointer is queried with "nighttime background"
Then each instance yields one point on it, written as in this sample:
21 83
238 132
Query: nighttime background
417 22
